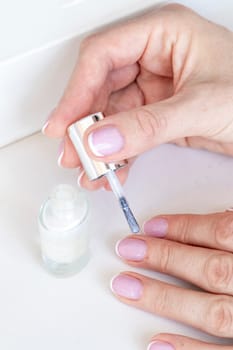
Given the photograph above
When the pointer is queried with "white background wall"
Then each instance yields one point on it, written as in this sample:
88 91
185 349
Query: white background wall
38 47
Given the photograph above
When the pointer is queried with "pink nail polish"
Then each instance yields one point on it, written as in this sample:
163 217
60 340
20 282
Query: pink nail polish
127 286
156 227
105 141
132 249
157 345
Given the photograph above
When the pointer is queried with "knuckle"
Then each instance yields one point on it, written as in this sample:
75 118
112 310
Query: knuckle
88 42
175 6
150 124
183 228
223 231
166 254
160 305
220 317
218 271
181 12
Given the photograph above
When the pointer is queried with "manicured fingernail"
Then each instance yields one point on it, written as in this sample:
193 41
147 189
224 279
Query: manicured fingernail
131 249
43 130
105 141
80 177
230 209
156 227
44 127
158 345
127 286
60 153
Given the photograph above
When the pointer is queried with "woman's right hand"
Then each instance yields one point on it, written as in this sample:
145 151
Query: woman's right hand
166 76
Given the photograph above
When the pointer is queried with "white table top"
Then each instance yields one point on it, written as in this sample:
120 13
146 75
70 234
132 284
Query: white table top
39 311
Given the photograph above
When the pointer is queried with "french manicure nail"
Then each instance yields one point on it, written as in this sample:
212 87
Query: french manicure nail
60 153
230 209
156 227
131 249
127 286
158 345
80 177
43 130
44 127
105 141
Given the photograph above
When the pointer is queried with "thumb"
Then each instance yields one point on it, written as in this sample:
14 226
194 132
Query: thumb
128 134
178 342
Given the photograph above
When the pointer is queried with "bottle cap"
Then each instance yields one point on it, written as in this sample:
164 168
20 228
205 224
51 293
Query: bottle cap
94 169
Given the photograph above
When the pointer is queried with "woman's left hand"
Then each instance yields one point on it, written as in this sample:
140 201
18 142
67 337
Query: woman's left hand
194 248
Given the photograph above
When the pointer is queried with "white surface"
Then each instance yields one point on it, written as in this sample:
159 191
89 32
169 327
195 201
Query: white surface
30 87
39 311
55 20
39 45
27 25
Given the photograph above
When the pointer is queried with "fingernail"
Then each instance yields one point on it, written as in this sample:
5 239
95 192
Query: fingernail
131 249
60 153
230 209
156 227
44 127
43 130
80 177
127 286
105 141
157 345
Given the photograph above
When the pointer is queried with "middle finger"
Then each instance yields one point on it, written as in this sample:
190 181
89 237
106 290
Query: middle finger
209 269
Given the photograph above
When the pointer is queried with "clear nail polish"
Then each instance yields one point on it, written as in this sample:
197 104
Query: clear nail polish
64 234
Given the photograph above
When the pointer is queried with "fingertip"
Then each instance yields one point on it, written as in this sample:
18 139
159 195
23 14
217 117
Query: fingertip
57 122
111 283
70 158
156 227
169 341
54 129
53 126
90 185
158 345
80 176
117 248
162 341
44 127
60 160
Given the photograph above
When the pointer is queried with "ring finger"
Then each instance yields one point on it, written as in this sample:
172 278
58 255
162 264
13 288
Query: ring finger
209 269
207 312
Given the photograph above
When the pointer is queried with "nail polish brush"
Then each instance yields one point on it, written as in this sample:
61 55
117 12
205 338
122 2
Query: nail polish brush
96 169
118 191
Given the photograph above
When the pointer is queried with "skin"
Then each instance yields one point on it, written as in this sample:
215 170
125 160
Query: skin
165 77
208 240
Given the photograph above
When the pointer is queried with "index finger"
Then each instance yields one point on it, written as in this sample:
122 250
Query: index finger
145 39
211 230
99 55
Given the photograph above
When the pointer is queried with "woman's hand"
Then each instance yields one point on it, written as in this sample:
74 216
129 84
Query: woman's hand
194 248
164 77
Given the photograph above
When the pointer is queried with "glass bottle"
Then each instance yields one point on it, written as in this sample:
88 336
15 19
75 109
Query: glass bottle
63 227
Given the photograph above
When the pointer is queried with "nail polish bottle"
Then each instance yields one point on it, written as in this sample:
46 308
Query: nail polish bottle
63 227
97 169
